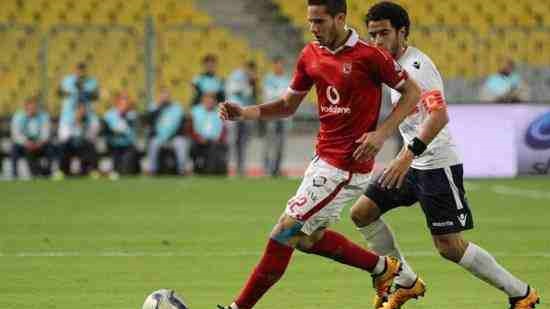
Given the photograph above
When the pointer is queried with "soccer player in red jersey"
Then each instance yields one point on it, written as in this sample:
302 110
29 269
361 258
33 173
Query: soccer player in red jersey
348 75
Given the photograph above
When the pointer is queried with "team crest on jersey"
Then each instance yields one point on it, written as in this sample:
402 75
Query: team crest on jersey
346 68
319 181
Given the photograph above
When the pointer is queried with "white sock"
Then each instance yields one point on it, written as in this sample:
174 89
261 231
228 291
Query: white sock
234 306
484 266
380 239
380 266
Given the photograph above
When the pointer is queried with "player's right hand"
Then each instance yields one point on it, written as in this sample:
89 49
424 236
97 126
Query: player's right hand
370 144
230 111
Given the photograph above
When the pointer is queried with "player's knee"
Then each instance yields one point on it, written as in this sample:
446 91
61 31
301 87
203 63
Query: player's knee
448 253
364 212
450 248
287 231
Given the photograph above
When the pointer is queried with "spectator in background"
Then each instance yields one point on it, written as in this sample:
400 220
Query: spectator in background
77 88
506 86
121 131
166 119
77 138
275 84
209 138
242 88
30 133
78 126
208 81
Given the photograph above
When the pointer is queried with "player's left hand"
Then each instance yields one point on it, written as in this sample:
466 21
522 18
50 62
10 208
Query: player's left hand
369 146
395 173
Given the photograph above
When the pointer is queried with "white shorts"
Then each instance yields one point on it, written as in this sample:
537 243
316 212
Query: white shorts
323 193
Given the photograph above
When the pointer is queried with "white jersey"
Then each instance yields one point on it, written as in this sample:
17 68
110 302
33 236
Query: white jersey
441 152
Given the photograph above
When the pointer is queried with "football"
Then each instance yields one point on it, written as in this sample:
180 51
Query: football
164 299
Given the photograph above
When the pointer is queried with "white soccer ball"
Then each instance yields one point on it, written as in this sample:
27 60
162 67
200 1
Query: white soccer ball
164 299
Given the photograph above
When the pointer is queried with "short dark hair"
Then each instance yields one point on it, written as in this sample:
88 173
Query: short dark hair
334 7
251 64
209 58
397 15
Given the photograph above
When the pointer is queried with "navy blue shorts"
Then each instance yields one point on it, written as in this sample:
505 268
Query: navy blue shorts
440 193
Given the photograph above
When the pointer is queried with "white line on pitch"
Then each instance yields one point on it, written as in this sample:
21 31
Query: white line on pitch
528 193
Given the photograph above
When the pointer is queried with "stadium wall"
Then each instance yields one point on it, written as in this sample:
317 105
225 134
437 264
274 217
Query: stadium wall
498 140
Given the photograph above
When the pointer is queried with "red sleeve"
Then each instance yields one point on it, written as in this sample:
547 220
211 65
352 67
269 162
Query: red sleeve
386 70
301 81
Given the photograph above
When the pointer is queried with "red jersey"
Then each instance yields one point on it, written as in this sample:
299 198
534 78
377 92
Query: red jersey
349 90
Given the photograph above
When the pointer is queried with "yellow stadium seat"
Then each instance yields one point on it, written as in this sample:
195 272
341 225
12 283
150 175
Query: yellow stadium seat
538 48
19 66
109 61
114 57
180 54
480 54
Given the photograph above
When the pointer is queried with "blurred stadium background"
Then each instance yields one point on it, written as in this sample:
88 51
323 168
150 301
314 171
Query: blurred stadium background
138 46
108 244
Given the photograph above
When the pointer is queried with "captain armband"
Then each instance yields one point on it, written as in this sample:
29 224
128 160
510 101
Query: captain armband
434 100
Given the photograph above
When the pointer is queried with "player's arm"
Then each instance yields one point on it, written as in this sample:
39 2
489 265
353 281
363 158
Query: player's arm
284 107
410 96
437 119
372 142
384 69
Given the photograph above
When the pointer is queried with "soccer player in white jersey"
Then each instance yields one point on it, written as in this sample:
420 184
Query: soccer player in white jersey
428 170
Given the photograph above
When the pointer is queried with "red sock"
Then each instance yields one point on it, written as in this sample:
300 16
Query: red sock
337 247
268 271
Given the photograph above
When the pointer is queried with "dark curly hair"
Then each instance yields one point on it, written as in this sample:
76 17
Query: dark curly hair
396 14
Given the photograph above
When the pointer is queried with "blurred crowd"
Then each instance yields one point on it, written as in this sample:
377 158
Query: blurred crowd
170 137
167 138
505 86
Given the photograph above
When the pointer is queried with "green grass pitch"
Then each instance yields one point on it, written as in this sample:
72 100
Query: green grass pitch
106 245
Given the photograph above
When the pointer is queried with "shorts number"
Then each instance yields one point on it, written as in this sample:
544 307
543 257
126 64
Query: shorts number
297 202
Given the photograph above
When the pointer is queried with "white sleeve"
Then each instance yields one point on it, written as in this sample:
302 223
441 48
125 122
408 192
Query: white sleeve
430 77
